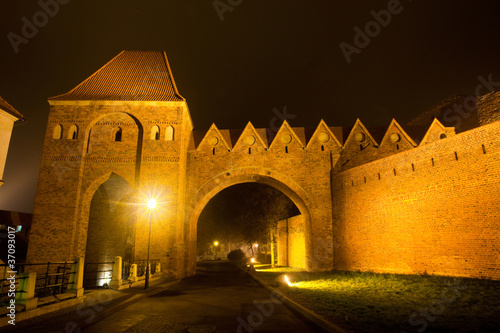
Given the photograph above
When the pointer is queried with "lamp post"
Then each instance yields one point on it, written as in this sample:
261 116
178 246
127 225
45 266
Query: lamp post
151 205
215 244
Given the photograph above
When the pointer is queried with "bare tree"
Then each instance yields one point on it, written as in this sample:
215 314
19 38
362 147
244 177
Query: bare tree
259 223
248 215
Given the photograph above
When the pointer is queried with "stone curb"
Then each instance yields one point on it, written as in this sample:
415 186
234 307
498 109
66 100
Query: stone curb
47 309
310 315
129 301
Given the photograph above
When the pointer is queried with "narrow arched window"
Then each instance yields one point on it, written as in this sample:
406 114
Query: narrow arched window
169 133
57 133
73 132
117 134
88 141
155 133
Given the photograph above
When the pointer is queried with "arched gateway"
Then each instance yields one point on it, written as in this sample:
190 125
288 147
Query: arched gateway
125 134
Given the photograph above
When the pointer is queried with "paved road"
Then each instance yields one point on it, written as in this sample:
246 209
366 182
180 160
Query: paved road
220 298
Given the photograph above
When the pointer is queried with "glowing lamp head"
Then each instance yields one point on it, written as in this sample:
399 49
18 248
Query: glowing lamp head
151 203
216 243
252 260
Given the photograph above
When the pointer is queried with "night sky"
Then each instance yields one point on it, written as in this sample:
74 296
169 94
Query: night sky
263 56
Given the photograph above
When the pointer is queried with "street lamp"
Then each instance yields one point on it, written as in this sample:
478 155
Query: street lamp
215 244
151 205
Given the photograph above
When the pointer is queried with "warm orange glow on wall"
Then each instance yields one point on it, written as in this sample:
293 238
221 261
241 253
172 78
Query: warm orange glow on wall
291 242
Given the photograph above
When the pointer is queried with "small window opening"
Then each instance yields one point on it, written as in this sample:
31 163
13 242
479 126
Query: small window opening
118 135
360 147
57 133
286 149
484 149
379 176
394 171
442 136
155 133
365 179
213 151
249 150
169 133
456 156
73 132
88 141
322 148
413 167
432 161
397 146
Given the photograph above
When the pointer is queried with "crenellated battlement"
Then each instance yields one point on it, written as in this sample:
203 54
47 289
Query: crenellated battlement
356 145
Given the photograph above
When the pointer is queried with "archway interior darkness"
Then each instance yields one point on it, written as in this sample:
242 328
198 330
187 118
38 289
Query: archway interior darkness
111 229
241 216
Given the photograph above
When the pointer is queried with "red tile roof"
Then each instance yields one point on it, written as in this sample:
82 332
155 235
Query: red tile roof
10 109
130 76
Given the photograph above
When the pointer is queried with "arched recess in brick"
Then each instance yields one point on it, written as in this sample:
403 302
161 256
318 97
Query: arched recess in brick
100 149
155 133
90 184
110 228
169 133
101 136
57 132
239 176
73 132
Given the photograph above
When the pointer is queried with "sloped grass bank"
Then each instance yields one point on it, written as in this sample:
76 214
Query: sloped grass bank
369 302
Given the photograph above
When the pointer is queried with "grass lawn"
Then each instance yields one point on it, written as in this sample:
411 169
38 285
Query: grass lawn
369 302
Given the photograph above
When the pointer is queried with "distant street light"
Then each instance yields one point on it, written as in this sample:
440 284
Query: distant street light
151 206
256 249
215 244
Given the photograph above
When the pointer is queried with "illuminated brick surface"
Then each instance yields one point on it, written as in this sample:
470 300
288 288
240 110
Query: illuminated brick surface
382 201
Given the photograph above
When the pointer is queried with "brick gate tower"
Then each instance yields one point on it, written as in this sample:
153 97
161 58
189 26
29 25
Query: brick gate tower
112 142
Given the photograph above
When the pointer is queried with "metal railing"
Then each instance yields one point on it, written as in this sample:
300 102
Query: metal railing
51 280
141 266
126 270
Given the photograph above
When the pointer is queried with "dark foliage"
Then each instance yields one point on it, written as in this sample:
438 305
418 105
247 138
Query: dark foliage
237 256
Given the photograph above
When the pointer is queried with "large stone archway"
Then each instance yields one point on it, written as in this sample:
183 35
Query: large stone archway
239 176
110 228
98 146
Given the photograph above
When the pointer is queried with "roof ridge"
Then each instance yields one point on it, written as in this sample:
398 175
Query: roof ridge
172 76
129 76
10 109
